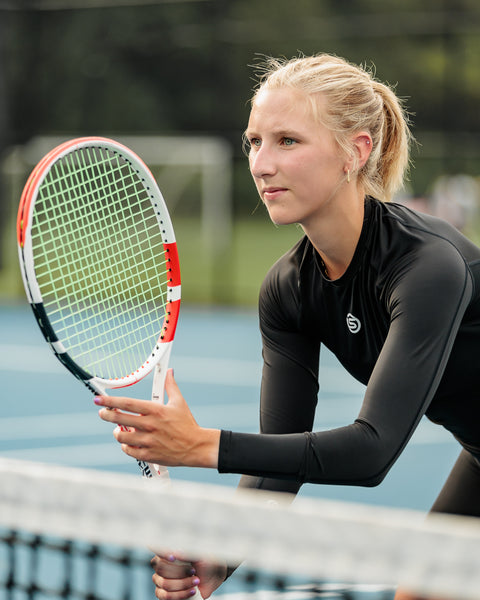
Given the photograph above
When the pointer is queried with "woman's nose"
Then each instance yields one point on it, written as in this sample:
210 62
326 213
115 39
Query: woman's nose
262 162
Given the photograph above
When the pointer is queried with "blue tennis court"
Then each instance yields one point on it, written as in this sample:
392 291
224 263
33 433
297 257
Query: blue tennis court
49 417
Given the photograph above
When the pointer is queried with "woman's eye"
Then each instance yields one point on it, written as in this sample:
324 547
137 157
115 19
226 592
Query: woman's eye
288 141
255 142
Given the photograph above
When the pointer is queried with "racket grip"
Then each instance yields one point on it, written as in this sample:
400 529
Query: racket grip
160 374
151 471
197 595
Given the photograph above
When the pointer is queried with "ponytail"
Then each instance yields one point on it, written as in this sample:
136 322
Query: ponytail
394 141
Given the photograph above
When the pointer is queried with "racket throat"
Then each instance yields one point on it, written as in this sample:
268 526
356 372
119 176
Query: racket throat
150 470
160 374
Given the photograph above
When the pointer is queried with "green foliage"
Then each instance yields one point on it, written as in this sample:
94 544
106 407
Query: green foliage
184 66
172 67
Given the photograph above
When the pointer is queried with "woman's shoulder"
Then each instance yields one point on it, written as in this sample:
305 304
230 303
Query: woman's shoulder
279 292
414 250
286 270
405 230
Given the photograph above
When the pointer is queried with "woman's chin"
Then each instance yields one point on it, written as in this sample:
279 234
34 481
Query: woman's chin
278 218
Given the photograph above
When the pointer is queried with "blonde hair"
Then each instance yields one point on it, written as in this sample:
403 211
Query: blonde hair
354 101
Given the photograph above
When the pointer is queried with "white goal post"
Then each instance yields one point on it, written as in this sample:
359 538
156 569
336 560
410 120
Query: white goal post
211 157
208 158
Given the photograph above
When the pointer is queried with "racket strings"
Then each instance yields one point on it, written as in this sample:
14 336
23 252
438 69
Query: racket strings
104 280
92 284
113 334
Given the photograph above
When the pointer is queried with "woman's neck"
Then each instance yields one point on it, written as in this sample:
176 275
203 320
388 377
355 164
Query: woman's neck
335 234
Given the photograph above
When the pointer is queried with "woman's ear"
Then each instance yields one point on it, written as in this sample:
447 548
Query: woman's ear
362 146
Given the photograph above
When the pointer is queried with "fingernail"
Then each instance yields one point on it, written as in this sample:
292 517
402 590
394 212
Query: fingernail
196 581
192 592
97 400
171 558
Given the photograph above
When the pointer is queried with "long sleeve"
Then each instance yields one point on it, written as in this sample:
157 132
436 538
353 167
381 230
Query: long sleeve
409 327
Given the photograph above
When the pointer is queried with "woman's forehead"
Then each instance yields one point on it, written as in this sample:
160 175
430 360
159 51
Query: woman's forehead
283 104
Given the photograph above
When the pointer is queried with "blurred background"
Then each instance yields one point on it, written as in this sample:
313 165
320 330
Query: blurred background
173 79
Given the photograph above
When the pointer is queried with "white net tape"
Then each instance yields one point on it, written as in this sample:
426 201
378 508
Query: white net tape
437 556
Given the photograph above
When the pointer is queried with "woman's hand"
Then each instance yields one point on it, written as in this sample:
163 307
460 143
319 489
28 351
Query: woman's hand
165 434
177 581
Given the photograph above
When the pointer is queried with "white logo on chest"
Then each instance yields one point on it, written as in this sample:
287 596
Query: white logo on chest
353 323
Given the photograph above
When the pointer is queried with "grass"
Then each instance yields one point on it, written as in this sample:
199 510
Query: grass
233 278
236 275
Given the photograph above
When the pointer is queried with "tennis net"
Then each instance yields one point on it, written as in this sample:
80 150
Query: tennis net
83 534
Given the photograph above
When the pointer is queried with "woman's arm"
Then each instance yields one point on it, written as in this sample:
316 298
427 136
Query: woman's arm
427 302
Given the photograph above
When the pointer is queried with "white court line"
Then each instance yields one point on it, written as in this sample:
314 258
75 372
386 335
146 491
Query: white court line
52 426
218 371
242 416
70 425
81 455
190 369
214 371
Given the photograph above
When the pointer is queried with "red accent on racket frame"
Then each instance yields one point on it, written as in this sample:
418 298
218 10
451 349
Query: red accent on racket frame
171 254
170 322
38 171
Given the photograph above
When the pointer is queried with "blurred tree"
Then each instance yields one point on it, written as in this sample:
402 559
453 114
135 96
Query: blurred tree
183 65
4 128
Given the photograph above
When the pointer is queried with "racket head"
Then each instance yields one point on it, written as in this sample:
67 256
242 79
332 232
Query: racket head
99 261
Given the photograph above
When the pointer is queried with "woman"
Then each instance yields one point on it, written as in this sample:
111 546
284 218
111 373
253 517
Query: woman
394 294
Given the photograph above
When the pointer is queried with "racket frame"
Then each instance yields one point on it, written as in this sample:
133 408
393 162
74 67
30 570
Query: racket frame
160 355
24 223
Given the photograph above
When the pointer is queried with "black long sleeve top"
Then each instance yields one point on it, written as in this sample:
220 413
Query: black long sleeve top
404 319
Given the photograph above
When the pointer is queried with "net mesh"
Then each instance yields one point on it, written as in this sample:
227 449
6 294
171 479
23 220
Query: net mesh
100 261
85 534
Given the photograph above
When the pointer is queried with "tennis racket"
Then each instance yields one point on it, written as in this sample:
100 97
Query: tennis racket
100 265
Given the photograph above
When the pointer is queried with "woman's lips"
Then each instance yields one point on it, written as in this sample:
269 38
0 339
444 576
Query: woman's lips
273 192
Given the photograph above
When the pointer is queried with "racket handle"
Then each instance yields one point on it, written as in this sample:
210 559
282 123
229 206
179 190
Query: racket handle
160 374
150 470
197 595
158 471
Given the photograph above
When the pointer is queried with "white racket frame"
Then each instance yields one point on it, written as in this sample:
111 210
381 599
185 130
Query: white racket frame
161 350
159 358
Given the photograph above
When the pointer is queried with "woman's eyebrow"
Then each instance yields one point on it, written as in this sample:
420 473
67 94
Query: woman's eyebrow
274 133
